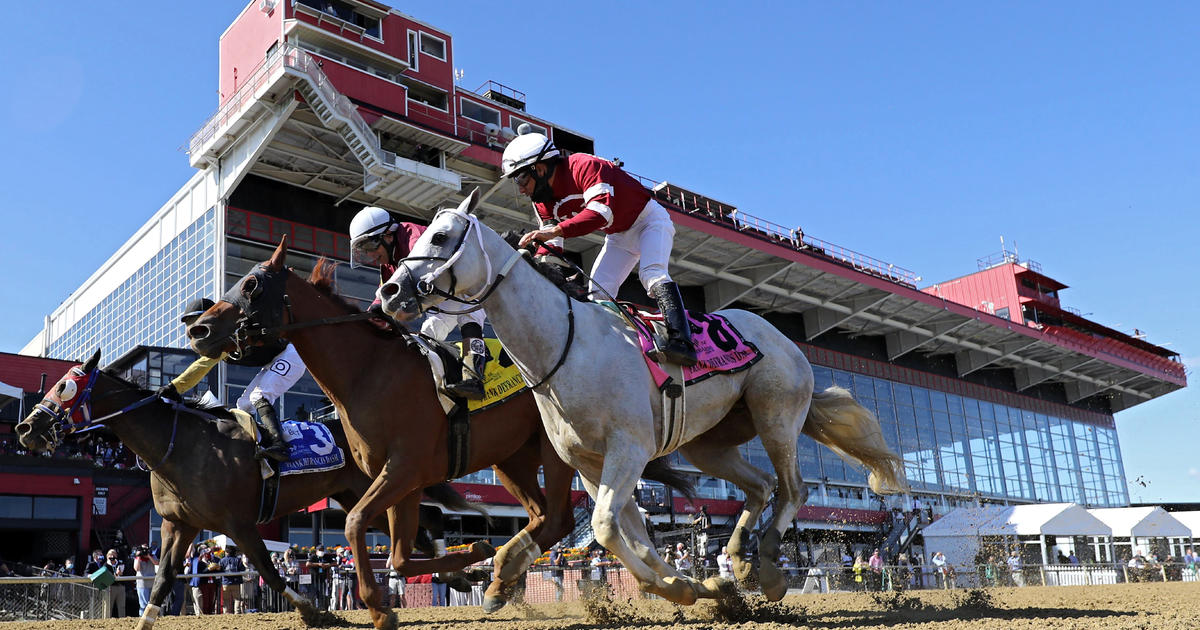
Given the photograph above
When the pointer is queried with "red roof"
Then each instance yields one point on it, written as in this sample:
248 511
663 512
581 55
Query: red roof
25 372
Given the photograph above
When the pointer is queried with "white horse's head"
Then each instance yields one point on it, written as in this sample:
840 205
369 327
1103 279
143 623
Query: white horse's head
448 262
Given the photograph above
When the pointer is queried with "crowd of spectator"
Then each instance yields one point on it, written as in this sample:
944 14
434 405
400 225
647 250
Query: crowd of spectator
102 451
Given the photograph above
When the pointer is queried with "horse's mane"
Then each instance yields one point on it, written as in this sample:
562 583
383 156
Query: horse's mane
321 278
574 286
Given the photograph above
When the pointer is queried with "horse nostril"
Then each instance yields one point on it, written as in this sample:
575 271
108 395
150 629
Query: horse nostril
22 429
198 332
389 290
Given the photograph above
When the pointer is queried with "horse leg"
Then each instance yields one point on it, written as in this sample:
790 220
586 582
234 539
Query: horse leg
515 556
614 493
726 462
381 495
778 417
176 538
251 543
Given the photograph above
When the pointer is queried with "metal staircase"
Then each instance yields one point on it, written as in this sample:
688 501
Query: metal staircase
385 174
901 535
582 535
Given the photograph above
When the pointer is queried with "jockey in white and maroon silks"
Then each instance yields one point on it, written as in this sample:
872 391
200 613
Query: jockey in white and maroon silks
379 239
578 194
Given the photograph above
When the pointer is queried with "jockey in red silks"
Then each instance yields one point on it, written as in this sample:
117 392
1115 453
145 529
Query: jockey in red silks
578 194
379 239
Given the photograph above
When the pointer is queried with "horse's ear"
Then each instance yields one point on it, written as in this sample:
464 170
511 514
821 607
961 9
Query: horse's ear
92 362
275 262
468 205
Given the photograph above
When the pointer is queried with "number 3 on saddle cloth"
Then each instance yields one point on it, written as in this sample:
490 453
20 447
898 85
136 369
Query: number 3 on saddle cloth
311 447
720 348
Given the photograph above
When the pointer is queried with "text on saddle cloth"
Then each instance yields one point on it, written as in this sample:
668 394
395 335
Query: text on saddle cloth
720 348
501 379
311 446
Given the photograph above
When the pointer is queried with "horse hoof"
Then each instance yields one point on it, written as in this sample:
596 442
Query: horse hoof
773 584
483 549
675 590
492 604
719 586
743 571
384 619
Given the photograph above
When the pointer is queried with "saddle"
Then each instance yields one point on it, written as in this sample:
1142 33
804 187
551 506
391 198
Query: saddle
501 381
721 349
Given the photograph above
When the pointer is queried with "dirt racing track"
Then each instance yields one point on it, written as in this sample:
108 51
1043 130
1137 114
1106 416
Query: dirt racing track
1170 606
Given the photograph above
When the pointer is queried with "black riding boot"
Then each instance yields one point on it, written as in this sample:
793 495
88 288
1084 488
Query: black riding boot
474 360
678 348
274 446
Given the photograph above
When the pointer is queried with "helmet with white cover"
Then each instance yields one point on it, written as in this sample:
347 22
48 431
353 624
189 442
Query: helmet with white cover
525 150
367 229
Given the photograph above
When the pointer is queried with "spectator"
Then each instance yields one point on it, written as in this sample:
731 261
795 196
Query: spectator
1015 569
94 564
557 564
439 597
725 564
318 568
231 585
940 571
113 598
201 586
249 586
989 571
396 586
860 567
69 566
1062 557
144 564
876 564
1073 559
683 563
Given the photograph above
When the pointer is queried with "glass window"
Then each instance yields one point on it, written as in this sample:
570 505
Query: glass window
478 112
16 507
433 46
515 123
63 508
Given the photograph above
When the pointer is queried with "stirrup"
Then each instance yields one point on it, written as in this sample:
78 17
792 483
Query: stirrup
275 452
471 389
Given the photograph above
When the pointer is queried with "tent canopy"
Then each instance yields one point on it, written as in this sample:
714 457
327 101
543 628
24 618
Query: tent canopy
1051 519
9 393
1191 519
1142 522
272 545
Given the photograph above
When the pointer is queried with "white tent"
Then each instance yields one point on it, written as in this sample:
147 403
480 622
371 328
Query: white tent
1191 519
1142 522
9 393
958 534
272 545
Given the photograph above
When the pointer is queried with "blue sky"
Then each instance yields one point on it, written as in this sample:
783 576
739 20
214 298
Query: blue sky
917 133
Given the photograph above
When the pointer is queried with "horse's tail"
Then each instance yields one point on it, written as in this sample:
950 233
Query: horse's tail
445 495
662 472
836 420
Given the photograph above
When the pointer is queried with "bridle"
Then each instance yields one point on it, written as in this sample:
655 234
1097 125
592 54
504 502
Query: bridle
258 322
427 285
61 415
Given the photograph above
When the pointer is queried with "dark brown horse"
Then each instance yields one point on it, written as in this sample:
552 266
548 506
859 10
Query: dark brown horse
365 374
204 472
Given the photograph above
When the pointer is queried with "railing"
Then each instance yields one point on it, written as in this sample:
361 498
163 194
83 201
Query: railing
1004 256
1115 348
793 238
233 107
299 61
501 89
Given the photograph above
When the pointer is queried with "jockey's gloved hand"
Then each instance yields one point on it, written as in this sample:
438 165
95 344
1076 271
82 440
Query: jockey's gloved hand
169 392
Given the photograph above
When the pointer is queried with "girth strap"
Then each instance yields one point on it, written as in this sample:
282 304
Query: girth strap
269 494
458 439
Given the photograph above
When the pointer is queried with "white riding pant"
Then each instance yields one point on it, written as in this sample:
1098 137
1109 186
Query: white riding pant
648 239
440 325
273 380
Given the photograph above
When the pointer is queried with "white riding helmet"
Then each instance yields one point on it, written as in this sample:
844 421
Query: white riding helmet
371 223
525 150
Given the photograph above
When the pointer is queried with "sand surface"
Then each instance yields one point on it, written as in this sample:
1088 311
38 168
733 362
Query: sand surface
1169 606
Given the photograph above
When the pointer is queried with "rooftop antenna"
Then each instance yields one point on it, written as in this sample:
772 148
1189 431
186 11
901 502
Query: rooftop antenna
459 73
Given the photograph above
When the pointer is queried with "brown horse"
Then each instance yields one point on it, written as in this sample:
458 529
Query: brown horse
204 476
365 373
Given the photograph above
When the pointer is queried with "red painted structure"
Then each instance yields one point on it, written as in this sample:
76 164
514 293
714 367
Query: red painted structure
1022 294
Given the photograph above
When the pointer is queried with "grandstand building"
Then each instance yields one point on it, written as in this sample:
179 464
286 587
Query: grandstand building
989 387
